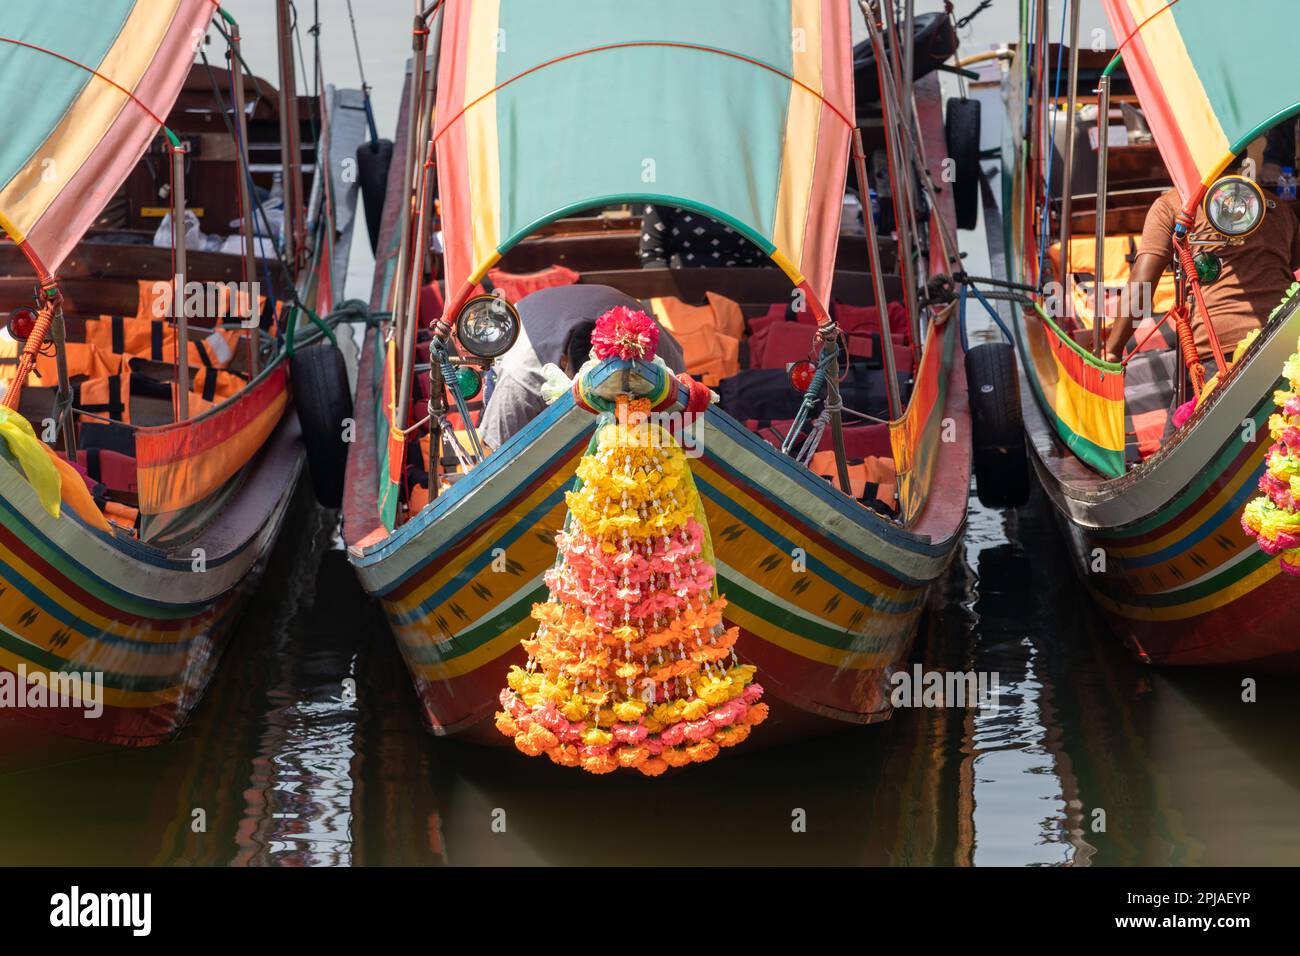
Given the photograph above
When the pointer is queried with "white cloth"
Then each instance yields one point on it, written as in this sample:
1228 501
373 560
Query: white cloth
547 317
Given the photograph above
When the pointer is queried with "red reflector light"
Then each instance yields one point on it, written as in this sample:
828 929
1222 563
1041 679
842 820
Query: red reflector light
801 375
21 323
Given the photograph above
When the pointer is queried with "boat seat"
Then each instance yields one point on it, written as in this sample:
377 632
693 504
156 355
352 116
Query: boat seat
1148 397
860 440
778 343
115 471
873 479
107 436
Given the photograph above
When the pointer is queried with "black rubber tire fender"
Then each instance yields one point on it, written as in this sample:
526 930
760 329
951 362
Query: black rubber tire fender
961 128
999 456
323 400
373 161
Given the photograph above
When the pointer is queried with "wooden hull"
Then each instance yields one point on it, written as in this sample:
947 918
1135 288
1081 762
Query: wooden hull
827 594
1161 549
1185 585
152 627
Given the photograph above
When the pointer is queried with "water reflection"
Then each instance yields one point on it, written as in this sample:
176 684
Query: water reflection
308 751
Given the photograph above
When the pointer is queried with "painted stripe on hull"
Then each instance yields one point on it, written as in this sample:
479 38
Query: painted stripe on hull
830 635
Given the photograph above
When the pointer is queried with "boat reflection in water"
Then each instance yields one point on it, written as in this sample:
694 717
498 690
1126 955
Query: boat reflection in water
288 770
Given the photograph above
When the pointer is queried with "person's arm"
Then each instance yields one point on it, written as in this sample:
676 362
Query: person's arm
1135 301
1154 253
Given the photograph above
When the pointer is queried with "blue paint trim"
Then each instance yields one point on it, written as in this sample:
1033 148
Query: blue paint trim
863 596
494 464
863 517
61 614
20 522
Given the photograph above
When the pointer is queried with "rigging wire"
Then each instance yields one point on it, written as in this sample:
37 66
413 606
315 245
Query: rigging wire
1044 212
365 87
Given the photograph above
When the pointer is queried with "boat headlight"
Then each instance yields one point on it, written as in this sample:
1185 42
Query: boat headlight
1234 205
487 326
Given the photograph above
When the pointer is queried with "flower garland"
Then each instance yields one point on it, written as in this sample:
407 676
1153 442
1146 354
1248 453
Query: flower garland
1273 518
631 665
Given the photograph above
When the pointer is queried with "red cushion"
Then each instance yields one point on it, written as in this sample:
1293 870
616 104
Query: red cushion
431 305
859 440
780 312
516 286
780 342
116 471
867 318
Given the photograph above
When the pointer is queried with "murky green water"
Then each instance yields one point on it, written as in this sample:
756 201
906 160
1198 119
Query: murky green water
287 769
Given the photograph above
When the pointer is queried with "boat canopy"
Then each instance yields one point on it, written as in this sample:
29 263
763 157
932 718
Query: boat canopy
81 95
1211 76
739 110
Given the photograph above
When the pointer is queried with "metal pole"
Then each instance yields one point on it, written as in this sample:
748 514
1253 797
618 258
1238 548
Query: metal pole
837 421
179 313
290 149
1042 49
1103 155
878 280
909 44
900 189
414 120
1067 167
890 20
245 199
424 210
58 332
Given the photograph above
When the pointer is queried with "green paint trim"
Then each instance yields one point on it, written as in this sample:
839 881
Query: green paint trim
795 621
492 626
1100 364
1258 130
1207 588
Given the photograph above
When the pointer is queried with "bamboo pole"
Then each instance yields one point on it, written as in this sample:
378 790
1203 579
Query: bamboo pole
414 121
58 332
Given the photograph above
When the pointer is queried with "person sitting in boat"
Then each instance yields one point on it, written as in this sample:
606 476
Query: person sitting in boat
1256 271
556 326
683 239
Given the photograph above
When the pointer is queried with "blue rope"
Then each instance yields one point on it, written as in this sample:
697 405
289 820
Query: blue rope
988 307
830 354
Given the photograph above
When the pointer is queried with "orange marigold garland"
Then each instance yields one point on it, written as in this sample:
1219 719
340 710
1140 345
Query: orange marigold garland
631 665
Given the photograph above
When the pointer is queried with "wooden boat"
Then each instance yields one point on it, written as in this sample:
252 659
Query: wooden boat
1158 542
121 580
457 572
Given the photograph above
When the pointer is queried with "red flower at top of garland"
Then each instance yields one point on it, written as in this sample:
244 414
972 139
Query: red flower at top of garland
622 333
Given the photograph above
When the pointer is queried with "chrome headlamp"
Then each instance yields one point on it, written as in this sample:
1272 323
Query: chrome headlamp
487 326
1234 206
